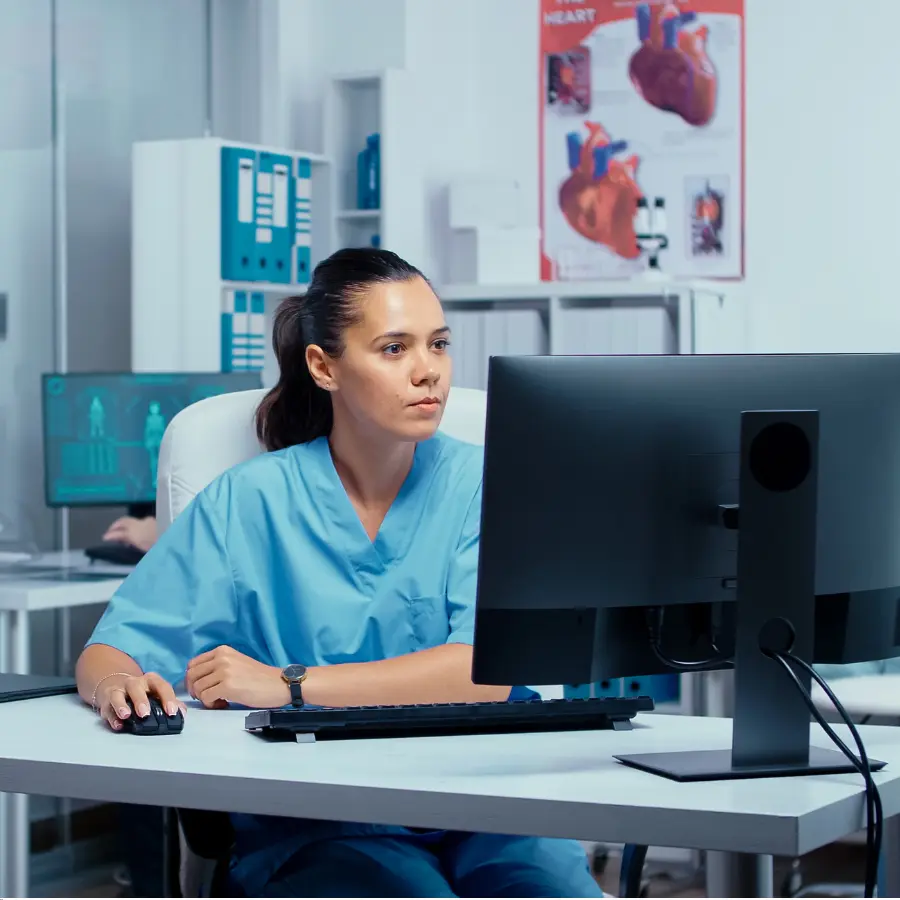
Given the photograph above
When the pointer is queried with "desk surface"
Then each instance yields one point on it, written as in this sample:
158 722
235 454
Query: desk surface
31 592
869 695
564 784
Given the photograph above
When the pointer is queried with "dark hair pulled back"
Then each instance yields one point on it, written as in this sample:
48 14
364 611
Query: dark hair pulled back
297 410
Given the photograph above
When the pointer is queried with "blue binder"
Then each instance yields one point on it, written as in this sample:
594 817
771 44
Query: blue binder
273 231
264 256
256 333
303 222
234 303
243 332
238 172
227 336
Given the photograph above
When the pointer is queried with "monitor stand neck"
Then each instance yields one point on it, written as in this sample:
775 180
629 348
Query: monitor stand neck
776 583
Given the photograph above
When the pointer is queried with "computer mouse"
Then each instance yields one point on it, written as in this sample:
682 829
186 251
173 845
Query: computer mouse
156 723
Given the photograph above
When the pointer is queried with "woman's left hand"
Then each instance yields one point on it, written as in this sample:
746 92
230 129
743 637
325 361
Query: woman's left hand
224 675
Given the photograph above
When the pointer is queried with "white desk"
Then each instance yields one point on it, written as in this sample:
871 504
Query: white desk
869 695
562 785
19 597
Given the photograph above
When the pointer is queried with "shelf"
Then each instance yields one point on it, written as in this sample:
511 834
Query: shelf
363 79
574 290
358 215
264 287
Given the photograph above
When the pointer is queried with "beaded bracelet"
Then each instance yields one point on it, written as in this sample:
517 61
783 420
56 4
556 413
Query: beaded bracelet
97 688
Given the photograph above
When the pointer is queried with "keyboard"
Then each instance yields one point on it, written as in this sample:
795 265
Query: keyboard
441 719
116 552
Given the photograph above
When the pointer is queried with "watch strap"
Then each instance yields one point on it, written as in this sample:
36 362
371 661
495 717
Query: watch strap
296 693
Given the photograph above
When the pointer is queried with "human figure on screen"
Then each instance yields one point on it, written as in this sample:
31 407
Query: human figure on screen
97 417
154 429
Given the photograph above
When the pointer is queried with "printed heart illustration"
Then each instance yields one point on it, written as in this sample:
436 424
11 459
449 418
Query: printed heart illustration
670 69
600 197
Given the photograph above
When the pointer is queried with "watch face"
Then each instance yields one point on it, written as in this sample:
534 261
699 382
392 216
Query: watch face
293 673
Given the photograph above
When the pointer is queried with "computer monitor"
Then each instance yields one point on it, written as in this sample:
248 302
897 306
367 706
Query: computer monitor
637 508
102 432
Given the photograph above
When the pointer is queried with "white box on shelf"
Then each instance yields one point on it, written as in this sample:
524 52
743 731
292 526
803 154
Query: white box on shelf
483 201
495 256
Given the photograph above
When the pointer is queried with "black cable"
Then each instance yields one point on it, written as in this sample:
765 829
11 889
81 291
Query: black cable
872 827
874 849
861 763
654 627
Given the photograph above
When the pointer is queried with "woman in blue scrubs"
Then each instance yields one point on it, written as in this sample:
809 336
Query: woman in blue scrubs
349 549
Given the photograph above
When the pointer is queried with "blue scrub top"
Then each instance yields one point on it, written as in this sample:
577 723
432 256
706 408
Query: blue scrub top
273 560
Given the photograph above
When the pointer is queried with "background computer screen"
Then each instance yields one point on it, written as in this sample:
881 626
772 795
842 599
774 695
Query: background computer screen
102 432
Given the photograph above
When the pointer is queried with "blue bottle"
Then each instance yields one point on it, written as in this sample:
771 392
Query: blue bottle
373 147
362 178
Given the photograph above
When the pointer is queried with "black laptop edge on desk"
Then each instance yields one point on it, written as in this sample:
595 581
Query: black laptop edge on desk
30 687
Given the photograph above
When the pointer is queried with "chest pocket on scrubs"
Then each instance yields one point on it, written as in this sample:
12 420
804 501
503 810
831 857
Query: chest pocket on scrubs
428 619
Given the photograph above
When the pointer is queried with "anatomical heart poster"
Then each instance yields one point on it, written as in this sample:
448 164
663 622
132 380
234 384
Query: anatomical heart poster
642 138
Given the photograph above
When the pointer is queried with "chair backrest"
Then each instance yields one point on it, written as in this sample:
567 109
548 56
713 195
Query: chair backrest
212 435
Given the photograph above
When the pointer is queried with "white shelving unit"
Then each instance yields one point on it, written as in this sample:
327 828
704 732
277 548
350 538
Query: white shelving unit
615 317
575 317
178 293
359 104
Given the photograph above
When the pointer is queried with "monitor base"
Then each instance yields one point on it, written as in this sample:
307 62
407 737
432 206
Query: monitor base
716 765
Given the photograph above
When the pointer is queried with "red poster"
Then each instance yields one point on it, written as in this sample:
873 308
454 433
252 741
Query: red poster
642 138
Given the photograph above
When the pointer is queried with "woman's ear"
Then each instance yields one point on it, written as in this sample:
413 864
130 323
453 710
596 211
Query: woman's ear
320 367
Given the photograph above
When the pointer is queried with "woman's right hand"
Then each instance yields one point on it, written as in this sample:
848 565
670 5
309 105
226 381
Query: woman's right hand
116 692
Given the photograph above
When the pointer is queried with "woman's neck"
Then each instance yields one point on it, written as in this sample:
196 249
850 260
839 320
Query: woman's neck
372 473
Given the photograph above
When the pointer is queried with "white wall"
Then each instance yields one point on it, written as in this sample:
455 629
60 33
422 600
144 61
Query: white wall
26 273
313 42
303 43
822 183
822 177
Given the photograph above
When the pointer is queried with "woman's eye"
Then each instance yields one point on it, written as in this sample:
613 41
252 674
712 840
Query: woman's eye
393 349
441 344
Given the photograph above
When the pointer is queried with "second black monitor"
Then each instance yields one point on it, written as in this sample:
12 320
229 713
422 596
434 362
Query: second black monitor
102 432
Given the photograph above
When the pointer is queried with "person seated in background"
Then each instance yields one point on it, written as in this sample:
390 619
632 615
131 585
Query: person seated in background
140 533
352 550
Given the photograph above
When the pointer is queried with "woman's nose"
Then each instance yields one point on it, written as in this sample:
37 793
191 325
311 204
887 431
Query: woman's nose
426 374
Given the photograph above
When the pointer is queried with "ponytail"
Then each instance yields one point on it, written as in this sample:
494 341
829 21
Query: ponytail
297 410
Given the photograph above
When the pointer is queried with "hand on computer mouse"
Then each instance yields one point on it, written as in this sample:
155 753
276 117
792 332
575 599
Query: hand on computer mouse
140 533
157 722
124 697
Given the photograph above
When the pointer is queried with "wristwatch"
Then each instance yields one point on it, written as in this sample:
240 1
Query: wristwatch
294 676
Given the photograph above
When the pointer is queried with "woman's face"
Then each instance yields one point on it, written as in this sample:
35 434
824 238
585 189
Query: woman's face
394 375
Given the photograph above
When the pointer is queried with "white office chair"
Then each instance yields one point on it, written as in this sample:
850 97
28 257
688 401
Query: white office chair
200 443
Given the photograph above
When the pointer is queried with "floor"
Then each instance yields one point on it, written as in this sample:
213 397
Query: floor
838 863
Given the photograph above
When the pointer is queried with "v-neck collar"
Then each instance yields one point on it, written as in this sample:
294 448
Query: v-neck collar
397 527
